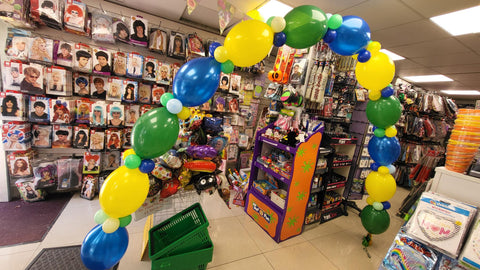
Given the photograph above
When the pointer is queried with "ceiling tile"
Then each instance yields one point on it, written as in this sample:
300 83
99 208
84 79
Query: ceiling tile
467 78
409 33
435 47
406 64
381 14
450 59
327 6
429 8
458 69
415 72
436 86
472 41
164 8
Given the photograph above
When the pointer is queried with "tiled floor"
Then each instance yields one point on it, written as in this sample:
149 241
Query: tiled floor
238 242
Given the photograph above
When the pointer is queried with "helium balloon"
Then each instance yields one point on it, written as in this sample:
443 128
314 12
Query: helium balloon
330 36
184 114
376 73
383 170
363 56
384 112
110 225
335 21
374 46
391 131
384 150
220 54
269 21
387 91
374 95
147 166
377 206
391 169
278 24
279 39
132 161
375 222
352 36
123 192
197 80
374 166
100 217
124 221
212 48
381 187
227 67
386 205
370 200
102 250
305 26
127 153
154 133
379 132
248 43
174 106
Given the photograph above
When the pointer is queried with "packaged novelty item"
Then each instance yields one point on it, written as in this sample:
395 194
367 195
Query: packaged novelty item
174 69
235 83
62 136
134 65
138 31
81 137
19 49
27 191
88 188
13 106
99 86
83 58
114 139
45 175
57 78
144 92
157 92
176 46
82 112
16 136
471 251
127 136
195 47
111 160
145 108
130 92
132 113
102 61
63 53
41 49
441 222
121 31
32 82
219 102
158 41
19 163
98 114
115 89
48 12
91 163
116 115
62 111
81 84
75 16
224 81
42 136
97 140
102 28
406 253
12 75
69 173
120 63
164 73
298 70
150 69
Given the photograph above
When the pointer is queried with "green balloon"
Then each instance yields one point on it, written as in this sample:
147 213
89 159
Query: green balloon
227 67
269 21
132 161
305 26
375 222
384 112
100 217
335 21
379 132
124 221
165 98
154 133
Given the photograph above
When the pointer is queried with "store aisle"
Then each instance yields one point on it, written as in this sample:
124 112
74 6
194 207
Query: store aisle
238 242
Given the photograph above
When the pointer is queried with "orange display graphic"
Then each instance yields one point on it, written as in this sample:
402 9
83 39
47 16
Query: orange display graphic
263 215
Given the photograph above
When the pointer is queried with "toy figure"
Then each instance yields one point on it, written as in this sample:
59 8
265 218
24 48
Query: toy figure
204 181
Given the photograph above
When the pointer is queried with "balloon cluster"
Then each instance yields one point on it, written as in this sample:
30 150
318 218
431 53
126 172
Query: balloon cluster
248 42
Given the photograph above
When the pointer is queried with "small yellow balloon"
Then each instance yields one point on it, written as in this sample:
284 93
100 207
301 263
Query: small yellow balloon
184 113
248 43
376 73
254 14
391 131
383 170
374 95
110 225
380 187
278 24
370 201
127 153
123 192
355 56
374 47
220 54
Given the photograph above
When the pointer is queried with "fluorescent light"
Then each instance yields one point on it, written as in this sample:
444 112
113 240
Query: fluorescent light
428 78
274 8
466 21
392 55
461 92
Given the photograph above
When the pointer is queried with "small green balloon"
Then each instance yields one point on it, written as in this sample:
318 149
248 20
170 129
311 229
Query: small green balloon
124 221
384 112
379 132
305 26
227 67
269 21
377 206
100 217
335 21
132 161
375 222
165 98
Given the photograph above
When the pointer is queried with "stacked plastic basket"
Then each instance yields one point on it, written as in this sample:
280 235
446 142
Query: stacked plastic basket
464 141
181 242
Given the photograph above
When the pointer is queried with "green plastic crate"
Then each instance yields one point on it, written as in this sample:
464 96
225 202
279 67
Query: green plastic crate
184 232
197 259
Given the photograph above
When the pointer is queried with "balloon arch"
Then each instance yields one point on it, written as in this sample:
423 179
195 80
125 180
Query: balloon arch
248 42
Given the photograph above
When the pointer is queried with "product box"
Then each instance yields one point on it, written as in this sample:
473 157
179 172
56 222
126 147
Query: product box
13 107
32 82
278 196
115 89
45 175
91 163
20 163
42 136
75 16
114 139
120 63
83 58
81 84
116 115
99 86
176 46
120 28
58 81
157 92
13 75
127 136
62 136
130 92
81 136
19 48
62 111
139 31
41 50
164 74
98 114
82 112
150 69
69 173
132 113
63 53
16 136
134 65
470 252
26 188
102 61
158 41
88 188
144 93
102 28
97 140
111 160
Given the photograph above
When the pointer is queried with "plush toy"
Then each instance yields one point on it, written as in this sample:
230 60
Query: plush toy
204 181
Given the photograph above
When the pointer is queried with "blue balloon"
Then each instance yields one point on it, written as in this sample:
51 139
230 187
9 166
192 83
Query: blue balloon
212 47
352 36
147 166
330 36
363 56
102 250
196 81
374 166
384 150
387 91
279 39
386 205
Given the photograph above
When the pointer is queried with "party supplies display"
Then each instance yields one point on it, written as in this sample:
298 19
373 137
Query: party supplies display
58 81
62 136
102 61
134 65
26 188
12 106
83 58
138 31
62 111
42 136
63 53
16 136
81 84
471 251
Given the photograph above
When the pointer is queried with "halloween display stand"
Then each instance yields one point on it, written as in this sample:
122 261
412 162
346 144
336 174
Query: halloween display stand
264 207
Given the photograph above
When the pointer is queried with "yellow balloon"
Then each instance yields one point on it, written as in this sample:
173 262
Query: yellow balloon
380 187
127 153
383 170
374 95
184 113
254 14
124 192
248 43
220 54
376 73
110 225
391 131
374 47
370 200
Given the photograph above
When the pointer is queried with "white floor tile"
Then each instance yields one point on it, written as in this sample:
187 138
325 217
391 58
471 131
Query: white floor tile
258 262
19 248
16 261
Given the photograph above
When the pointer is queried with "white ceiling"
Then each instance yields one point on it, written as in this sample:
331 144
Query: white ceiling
401 26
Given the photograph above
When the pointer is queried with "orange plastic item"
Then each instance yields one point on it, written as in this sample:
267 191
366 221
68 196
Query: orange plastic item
200 166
